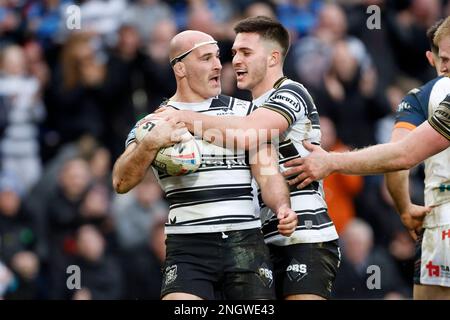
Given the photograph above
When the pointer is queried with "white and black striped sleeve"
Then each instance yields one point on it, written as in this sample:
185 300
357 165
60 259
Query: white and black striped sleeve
292 101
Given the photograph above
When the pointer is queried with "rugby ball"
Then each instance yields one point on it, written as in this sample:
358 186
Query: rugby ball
180 159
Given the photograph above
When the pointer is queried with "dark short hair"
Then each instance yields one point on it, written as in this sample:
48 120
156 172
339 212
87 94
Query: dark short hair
267 28
430 35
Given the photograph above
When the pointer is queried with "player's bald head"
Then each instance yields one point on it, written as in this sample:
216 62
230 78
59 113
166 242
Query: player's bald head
186 40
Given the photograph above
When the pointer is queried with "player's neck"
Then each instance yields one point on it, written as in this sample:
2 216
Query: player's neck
187 95
267 83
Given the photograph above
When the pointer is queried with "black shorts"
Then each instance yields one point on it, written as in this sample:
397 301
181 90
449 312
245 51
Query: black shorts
230 265
305 268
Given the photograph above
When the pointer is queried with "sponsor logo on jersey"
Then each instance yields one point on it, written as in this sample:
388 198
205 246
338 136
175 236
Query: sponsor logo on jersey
446 234
217 162
403 106
241 103
288 99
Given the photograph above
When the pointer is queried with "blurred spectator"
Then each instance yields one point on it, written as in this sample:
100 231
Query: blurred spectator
37 67
375 205
25 265
21 110
407 31
202 14
10 23
17 239
100 165
161 81
126 82
102 17
143 265
98 161
146 15
200 17
358 254
260 8
299 16
212 17
16 222
340 190
63 218
314 54
101 275
350 98
402 249
95 208
45 18
76 91
86 148
137 211
376 40
158 45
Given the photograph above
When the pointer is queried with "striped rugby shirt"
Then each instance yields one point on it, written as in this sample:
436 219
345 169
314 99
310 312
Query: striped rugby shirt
218 196
292 101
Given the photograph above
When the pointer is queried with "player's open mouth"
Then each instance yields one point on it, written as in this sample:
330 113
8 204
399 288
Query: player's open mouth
215 80
240 74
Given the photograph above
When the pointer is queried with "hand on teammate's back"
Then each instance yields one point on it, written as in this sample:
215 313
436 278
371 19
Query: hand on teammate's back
313 167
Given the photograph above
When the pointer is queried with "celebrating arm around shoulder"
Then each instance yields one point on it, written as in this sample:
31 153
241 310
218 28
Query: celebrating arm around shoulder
245 132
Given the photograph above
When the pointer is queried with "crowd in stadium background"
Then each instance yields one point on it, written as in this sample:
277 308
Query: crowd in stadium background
68 98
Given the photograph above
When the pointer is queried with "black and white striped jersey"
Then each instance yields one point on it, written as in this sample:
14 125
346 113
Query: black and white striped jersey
218 196
292 101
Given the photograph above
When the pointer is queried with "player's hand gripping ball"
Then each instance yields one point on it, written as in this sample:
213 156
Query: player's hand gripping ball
179 159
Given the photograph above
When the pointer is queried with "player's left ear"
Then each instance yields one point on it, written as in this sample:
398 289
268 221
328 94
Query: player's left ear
430 58
275 58
180 69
